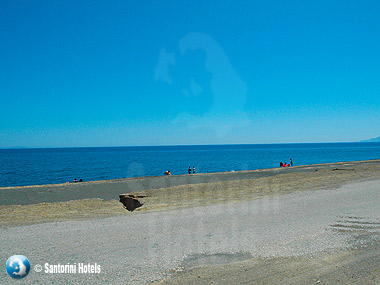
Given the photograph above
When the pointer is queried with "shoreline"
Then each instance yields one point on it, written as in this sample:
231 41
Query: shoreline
126 179
322 236
82 201
310 224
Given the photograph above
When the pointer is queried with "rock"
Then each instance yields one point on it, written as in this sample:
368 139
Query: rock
130 202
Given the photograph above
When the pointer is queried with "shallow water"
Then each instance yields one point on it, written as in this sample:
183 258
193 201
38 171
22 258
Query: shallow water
20 167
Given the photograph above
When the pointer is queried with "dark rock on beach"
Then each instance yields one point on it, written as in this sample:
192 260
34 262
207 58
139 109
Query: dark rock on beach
130 202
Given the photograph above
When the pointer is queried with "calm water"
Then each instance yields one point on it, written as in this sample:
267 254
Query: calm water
59 165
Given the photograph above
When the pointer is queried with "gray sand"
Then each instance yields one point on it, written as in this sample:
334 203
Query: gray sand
110 189
95 200
237 242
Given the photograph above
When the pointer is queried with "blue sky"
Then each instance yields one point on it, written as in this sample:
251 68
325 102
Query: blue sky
118 73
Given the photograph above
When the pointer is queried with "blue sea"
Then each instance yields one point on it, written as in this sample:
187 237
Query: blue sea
20 167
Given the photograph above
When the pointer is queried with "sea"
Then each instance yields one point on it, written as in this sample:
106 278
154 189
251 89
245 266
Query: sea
40 166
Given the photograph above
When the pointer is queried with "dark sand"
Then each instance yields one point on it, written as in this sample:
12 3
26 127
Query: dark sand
110 189
21 206
98 199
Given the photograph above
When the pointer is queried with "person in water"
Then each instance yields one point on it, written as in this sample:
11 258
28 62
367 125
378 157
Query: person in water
167 172
189 170
291 162
193 170
75 180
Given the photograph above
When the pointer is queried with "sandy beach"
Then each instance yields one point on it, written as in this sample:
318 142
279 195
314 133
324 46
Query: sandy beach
305 224
190 142
90 200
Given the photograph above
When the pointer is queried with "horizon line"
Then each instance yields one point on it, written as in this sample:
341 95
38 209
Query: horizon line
174 145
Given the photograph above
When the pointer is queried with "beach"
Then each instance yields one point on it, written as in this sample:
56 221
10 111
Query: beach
177 142
304 224
89 200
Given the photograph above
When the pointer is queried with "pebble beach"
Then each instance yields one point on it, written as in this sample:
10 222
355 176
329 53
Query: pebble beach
300 224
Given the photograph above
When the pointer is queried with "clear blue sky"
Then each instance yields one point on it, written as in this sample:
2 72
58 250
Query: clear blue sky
117 73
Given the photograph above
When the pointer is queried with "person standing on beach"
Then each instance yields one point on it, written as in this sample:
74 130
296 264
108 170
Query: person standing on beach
193 170
189 170
291 162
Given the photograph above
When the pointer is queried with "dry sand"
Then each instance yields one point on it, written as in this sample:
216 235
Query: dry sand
327 176
170 205
92 200
359 266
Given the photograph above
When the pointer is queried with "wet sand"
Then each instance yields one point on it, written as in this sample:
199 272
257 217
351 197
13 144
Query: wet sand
330 235
300 225
92 200
110 189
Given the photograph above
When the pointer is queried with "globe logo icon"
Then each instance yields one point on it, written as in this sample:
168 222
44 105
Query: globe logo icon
18 266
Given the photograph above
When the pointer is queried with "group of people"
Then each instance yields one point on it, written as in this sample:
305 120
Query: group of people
76 180
285 164
190 170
